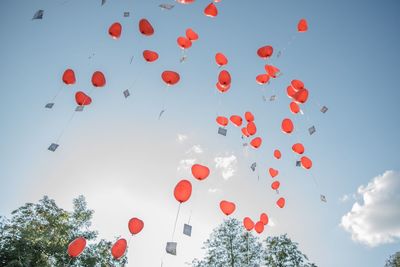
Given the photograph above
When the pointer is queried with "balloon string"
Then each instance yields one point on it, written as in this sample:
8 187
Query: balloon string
176 221
66 126
129 242
314 179
57 93
247 248
287 45
71 118
190 216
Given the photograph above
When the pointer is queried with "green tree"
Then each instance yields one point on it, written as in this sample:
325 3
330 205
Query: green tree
231 246
281 251
39 234
393 260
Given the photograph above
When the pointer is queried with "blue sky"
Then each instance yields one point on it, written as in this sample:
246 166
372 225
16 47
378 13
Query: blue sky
126 162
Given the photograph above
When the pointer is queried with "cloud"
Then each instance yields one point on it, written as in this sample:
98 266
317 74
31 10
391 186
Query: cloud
227 165
213 190
271 222
185 164
181 138
195 149
376 220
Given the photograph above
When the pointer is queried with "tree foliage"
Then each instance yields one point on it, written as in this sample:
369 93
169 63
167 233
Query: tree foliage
230 245
393 260
281 251
39 235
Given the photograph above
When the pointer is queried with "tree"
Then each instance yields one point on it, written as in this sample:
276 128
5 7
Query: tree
281 251
393 260
39 235
230 246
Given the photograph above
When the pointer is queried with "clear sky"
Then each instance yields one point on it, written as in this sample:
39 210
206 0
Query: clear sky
127 162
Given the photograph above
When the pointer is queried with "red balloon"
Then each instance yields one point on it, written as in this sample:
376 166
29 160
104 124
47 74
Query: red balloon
272 71
256 142
145 27
306 163
185 1
249 116
281 202
301 96
200 172
221 88
76 247
183 191
211 10
119 248
287 126
290 91
298 148
224 78
302 26
223 121
115 30
244 132
150 56
98 79
277 154
251 128
259 227
192 35
248 224
227 207
275 185
262 79
69 77
297 84
273 172
82 99
294 107
221 59
184 42
265 51
170 77
237 120
135 225
264 218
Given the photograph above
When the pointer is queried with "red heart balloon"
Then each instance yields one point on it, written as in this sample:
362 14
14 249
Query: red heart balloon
256 142
227 207
273 172
200 172
135 225
211 10
281 202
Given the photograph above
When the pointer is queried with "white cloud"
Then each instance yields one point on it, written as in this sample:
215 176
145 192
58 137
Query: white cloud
344 198
185 164
181 138
195 149
227 165
213 190
271 222
376 220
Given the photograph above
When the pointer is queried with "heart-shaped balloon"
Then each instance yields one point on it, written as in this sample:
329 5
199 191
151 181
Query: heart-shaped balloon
227 207
259 227
281 202
135 226
248 224
256 142
273 172
200 172
211 10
